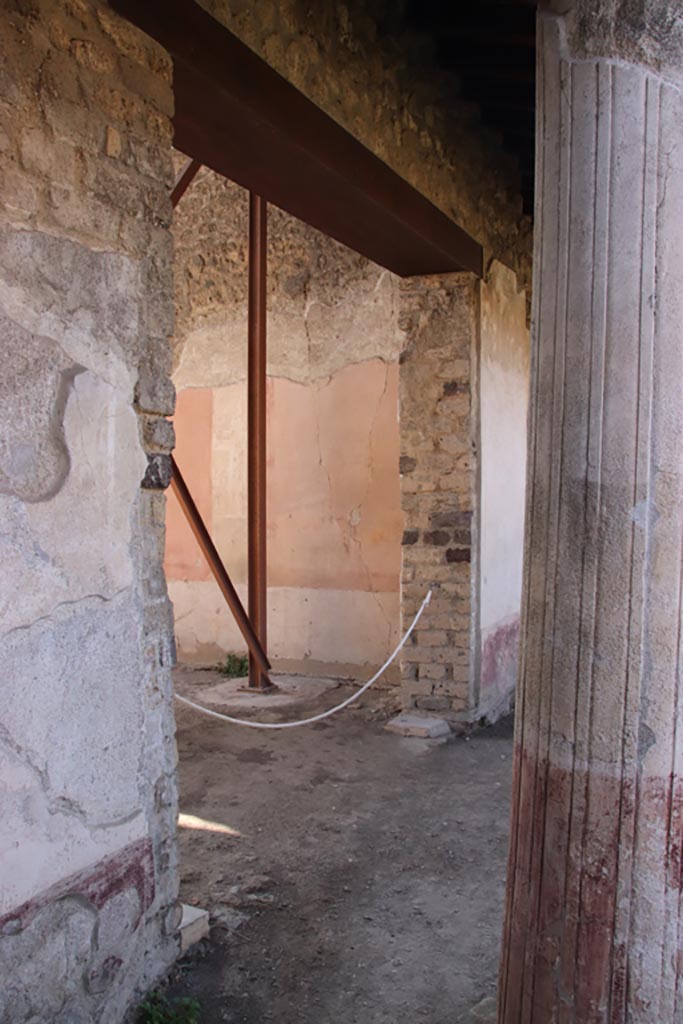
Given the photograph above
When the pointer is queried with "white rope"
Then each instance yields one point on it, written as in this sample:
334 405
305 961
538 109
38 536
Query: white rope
325 714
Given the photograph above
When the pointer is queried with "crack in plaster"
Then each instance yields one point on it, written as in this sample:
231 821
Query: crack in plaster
66 604
334 333
323 379
59 805
64 332
666 175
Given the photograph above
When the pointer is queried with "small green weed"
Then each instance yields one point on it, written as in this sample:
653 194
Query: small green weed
234 667
156 1009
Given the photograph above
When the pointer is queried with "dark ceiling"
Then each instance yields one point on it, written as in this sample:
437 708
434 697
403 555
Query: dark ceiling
489 48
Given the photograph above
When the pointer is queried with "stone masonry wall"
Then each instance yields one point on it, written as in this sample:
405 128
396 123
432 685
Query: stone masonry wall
87 756
439 487
327 305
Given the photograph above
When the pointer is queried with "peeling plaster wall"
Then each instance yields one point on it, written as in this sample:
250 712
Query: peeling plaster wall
87 757
334 518
504 398
327 306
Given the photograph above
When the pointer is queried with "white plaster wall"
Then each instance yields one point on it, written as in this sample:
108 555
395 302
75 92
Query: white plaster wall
504 397
76 588
67 583
87 756
314 626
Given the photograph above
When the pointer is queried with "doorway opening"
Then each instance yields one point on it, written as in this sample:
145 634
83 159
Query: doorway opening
309 846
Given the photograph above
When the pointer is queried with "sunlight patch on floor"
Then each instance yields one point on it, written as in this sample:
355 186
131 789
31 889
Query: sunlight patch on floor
203 825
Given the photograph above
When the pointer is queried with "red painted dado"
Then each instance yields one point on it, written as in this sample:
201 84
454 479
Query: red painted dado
129 869
568 955
499 659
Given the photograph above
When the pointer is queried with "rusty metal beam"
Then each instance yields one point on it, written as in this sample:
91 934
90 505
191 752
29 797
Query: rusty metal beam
256 438
245 121
184 180
186 501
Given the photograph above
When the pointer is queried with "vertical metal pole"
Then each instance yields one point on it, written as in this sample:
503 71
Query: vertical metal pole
256 432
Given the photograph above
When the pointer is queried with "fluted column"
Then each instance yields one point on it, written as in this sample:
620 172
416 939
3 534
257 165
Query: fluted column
593 918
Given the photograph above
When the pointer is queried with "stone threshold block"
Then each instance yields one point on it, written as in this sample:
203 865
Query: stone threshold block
486 1010
425 727
194 927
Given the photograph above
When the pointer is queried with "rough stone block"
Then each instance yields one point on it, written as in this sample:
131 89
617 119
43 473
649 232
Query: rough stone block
458 555
437 537
455 573
112 143
486 1010
54 159
155 391
158 434
158 473
423 726
432 638
432 671
194 926
456 519
433 703
461 673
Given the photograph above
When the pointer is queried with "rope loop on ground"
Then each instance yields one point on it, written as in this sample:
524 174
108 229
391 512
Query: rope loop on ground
325 714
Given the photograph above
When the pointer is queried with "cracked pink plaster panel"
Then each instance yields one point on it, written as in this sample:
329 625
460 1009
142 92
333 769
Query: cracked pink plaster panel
334 518
193 421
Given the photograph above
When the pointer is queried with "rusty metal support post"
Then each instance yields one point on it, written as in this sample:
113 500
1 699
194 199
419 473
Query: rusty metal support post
258 660
256 439
211 555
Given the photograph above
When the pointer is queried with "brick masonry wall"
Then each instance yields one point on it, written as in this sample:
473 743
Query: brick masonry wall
87 756
439 484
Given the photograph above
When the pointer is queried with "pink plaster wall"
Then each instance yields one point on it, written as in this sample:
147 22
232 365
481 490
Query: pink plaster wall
193 421
334 517
334 509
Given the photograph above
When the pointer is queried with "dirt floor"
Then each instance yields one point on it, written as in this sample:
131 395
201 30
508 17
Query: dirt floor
352 875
